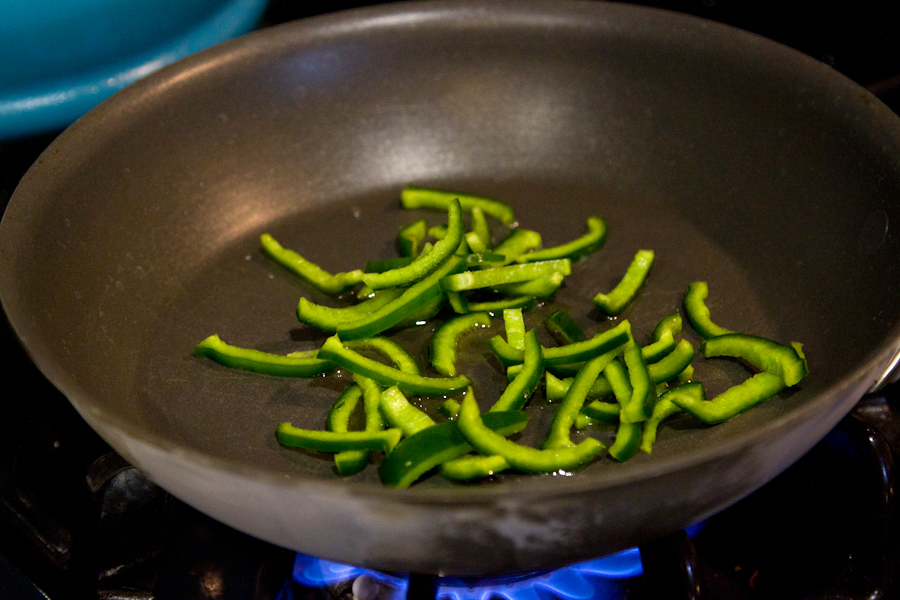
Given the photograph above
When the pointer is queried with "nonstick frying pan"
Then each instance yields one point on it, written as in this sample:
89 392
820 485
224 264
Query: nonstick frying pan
740 162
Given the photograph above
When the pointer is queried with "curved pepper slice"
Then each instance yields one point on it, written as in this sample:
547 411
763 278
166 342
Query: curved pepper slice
495 306
391 349
473 466
330 441
354 362
517 243
488 278
602 342
348 462
309 271
523 458
522 387
640 407
734 400
327 318
607 412
561 426
446 339
782 366
408 303
698 313
628 435
539 287
587 244
257 361
399 413
664 409
480 227
423 451
426 262
762 353
671 324
418 197
626 290
514 323
660 348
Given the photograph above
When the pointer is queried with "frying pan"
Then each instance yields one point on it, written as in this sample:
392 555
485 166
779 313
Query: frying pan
740 162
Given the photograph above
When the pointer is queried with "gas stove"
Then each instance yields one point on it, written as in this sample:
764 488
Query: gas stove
77 521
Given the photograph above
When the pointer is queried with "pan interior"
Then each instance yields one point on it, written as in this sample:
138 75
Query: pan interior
745 169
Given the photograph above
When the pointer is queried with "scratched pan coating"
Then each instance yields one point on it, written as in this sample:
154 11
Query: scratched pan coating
740 162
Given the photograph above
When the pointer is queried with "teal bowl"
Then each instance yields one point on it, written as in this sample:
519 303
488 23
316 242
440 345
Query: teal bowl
60 58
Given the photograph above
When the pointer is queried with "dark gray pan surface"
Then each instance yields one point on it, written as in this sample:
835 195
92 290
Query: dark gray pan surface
738 161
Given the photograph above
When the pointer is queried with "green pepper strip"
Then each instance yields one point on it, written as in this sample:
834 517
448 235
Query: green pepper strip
603 411
762 353
484 260
664 409
626 291
475 242
409 238
417 197
515 327
480 227
654 352
449 408
517 243
348 462
438 232
425 263
486 278
602 342
671 324
540 287
560 432
660 348
430 447
640 407
587 244
335 351
698 313
458 302
522 387
399 413
327 318
660 372
257 361
564 328
523 302
734 400
446 339
391 349
308 271
408 303
329 441
523 458
628 435
514 397
473 466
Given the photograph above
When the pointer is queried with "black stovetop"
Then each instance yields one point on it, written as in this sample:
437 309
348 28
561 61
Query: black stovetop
76 521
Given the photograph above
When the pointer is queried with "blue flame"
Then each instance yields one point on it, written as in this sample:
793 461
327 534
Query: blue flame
591 580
